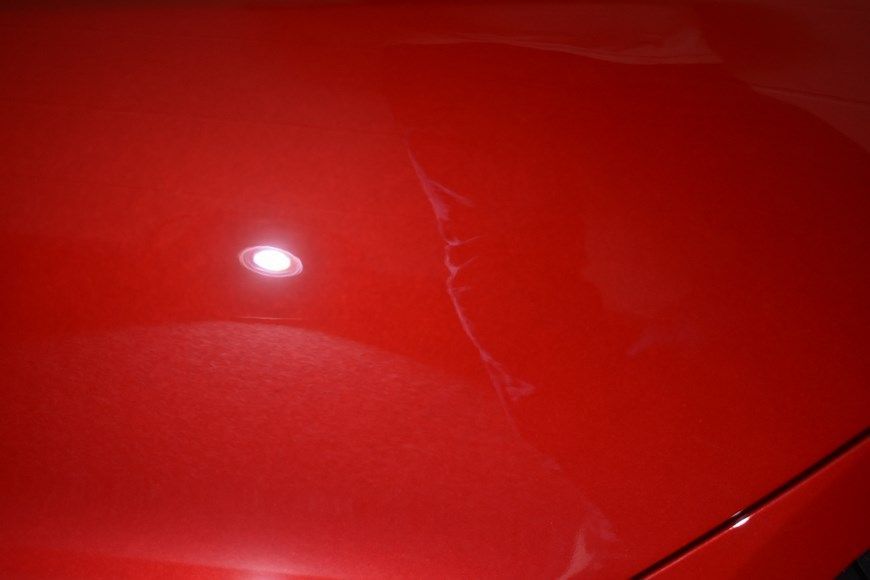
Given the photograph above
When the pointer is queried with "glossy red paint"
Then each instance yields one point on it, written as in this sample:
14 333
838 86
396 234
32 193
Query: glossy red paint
580 282
806 533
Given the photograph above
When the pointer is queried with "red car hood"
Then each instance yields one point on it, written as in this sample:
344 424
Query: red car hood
580 282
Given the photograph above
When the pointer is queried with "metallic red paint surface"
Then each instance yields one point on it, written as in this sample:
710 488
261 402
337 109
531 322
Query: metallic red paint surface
581 282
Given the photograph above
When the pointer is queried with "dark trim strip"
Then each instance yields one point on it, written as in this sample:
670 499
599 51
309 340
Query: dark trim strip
755 506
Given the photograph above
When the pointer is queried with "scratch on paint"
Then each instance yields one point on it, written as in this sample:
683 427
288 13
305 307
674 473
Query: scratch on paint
509 387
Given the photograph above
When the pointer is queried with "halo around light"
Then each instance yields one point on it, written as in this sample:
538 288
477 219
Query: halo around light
270 261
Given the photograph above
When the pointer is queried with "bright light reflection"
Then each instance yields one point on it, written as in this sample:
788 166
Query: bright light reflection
740 522
272 260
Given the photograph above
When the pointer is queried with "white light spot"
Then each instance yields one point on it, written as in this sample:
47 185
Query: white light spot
270 261
740 522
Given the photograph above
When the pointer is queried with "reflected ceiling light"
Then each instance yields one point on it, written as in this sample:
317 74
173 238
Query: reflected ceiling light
270 261
740 522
